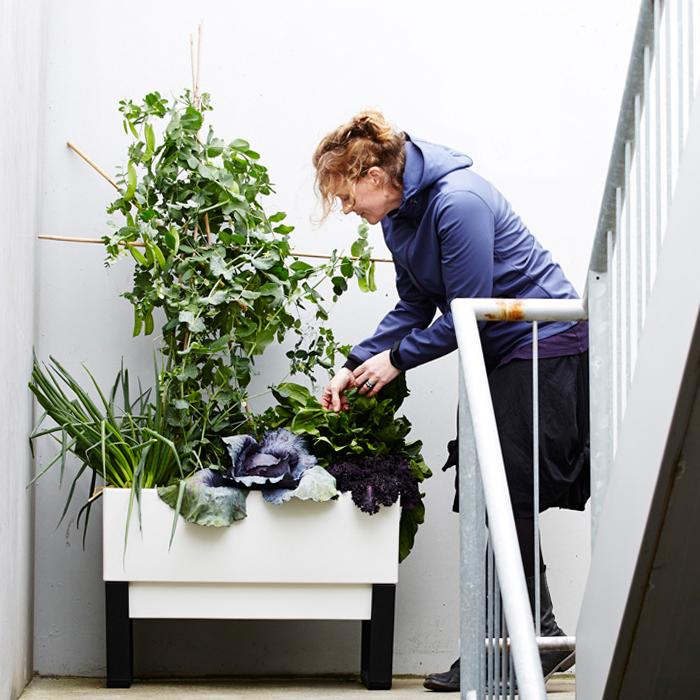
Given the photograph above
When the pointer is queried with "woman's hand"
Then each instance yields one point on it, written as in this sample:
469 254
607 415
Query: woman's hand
375 373
333 397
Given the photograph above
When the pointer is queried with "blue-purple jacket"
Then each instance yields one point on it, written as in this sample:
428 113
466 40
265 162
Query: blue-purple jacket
455 236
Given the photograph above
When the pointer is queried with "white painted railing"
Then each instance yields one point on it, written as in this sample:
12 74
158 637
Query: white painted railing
641 180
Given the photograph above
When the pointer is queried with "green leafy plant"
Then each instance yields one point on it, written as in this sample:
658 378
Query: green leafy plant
220 269
370 428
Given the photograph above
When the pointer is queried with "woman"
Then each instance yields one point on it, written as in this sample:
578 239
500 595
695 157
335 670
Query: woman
453 235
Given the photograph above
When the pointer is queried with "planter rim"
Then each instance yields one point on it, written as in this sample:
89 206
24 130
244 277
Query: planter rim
296 542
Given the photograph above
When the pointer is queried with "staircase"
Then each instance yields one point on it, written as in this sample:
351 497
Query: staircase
636 629
635 632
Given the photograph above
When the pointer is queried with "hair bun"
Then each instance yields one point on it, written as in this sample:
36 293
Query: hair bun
371 125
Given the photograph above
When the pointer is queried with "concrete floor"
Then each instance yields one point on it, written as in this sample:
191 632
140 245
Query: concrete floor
561 687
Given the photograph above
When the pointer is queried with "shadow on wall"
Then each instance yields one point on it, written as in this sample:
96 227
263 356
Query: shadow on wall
165 648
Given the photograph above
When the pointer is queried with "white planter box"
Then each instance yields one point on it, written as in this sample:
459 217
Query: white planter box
298 560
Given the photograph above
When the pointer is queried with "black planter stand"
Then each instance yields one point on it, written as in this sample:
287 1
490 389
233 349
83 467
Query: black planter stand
120 638
377 637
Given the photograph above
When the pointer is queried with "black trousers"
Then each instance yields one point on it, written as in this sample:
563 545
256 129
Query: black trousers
564 443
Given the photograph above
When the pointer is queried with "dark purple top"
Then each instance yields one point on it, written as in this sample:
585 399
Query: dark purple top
572 341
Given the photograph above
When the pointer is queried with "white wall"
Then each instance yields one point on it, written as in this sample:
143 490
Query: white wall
530 90
21 34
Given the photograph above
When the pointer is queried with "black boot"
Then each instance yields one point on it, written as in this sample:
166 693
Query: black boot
552 661
448 681
445 682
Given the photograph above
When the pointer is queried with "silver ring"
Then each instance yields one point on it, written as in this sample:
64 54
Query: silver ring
369 385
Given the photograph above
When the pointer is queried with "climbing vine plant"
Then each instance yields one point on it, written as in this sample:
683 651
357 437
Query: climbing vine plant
214 270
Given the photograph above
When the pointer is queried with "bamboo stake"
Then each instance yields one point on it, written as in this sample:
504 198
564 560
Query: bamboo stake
328 257
207 228
139 244
73 239
195 59
94 165
98 492
192 61
199 52
195 55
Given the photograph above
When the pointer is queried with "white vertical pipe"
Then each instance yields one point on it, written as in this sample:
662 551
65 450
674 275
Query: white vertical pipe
639 229
646 256
617 323
658 144
505 659
681 79
498 616
601 387
536 468
626 287
511 684
691 56
609 330
491 636
669 113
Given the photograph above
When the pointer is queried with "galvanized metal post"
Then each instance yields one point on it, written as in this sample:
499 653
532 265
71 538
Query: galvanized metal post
536 468
497 499
472 531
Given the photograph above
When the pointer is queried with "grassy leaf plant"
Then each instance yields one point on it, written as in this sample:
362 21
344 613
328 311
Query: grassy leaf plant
123 441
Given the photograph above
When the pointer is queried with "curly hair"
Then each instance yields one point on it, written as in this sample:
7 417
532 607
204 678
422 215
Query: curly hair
347 153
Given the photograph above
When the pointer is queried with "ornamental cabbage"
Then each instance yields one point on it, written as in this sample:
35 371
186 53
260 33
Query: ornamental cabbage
275 465
316 484
206 499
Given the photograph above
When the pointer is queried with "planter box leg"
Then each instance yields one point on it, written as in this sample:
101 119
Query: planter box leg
120 652
378 639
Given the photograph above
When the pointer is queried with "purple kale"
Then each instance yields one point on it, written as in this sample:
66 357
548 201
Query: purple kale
377 481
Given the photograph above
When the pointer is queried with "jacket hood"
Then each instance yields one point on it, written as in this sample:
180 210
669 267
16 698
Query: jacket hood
425 164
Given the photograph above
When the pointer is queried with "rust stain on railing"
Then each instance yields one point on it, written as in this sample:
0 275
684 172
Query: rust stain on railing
508 310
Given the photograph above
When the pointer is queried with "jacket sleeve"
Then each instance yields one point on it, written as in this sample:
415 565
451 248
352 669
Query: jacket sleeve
465 226
413 311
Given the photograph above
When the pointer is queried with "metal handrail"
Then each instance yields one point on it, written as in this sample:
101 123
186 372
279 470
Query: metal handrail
637 198
474 391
